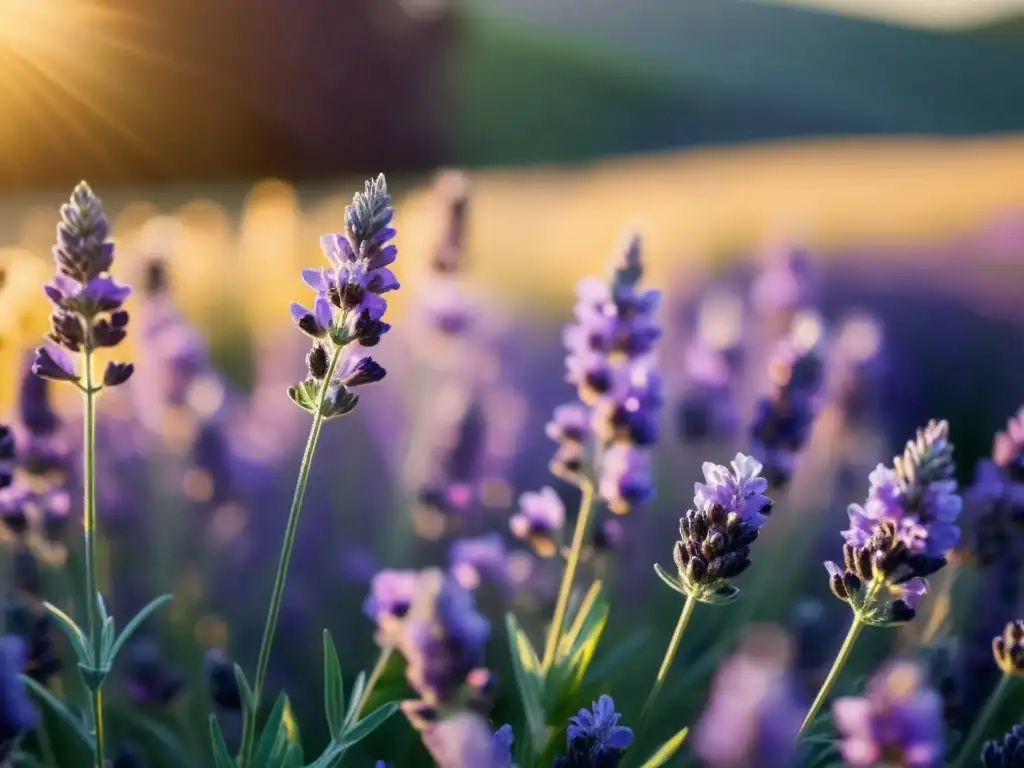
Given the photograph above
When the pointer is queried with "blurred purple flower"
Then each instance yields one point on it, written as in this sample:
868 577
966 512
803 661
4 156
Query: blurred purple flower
7 456
786 286
540 520
753 713
474 561
1004 752
442 638
464 740
222 681
898 721
17 714
856 367
151 679
389 601
784 417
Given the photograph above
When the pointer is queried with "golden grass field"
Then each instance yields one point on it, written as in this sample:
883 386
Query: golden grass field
236 251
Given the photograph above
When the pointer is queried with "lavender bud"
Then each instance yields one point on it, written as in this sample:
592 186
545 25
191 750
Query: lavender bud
357 371
1005 752
116 374
1008 649
317 362
220 676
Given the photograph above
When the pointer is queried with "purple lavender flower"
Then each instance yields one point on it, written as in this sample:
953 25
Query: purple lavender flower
87 301
784 417
443 637
918 494
897 722
475 560
1005 752
753 714
900 536
348 305
610 361
715 536
570 429
594 738
16 712
540 520
741 491
389 601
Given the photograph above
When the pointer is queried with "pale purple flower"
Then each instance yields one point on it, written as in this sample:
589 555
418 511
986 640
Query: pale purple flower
465 741
391 595
787 285
570 423
540 520
753 714
442 638
480 559
785 415
626 479
897 722
55 364
741 490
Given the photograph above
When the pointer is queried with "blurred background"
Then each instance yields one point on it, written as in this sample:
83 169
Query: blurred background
881 139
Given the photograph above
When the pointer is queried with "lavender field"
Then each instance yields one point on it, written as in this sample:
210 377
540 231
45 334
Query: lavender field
708 458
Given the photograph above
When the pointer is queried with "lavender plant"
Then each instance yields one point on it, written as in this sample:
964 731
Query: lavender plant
895 541
348 308
87 316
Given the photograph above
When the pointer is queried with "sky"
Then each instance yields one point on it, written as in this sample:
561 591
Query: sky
948 14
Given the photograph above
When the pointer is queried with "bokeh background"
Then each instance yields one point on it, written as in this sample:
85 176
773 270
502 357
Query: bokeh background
225 137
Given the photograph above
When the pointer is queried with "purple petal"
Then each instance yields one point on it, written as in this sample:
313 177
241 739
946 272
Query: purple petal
298 311
316 279
322 311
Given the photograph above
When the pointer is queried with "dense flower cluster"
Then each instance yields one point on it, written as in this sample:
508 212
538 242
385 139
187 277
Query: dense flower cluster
897 722
594 738
715 536
784 417
611 363
87 302
900 535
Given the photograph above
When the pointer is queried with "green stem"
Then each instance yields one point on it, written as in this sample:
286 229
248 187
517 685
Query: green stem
968 752
375 674
90 535
844 653
666 663
277 597
555 630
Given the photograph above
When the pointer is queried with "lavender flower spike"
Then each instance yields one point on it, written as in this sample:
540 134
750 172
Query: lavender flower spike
540 520
715 536
87 301
348 305
901 534
898 721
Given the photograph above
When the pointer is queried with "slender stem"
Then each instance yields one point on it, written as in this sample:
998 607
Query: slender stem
555 630
46 745
666 662
375 674
277 597
844 653
97 713
968 752
90 535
